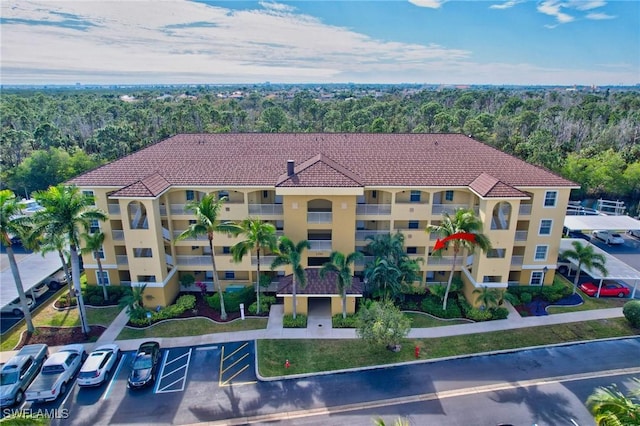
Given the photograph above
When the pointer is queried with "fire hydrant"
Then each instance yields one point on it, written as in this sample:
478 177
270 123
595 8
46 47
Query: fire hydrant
287 364
417 351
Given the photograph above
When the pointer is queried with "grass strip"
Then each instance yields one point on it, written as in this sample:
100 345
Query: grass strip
192 327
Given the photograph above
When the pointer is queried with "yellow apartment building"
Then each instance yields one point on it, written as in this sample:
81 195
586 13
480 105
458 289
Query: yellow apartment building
331 189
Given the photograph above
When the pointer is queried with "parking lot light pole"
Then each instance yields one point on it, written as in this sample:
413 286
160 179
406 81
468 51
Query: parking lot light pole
544 274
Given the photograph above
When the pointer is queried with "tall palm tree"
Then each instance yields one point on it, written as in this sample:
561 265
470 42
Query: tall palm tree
66 211
207 223
384 277
388 246
464 220
340 264
12 223
290 253
93 244
610 407
59 244
487 297
587 257
259 235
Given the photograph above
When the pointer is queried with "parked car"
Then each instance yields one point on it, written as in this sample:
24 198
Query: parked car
609 237
38 290
15 307
56 281
563 265
18 373
56 374
609 288
145 365
97 368
634 232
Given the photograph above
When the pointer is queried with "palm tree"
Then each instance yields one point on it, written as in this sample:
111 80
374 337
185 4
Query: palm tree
388 246
93 244
587 257
59 244
133 300
66 210
340 264
488 297
291 254
259 235
12 223
464 220
207 223
384 277
610 407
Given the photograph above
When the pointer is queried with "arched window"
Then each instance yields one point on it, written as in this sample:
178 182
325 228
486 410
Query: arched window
501 216
137 215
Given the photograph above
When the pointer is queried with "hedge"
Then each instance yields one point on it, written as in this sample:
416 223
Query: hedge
631 311
232 301
299 322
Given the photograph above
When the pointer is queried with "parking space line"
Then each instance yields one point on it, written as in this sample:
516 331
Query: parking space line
226 383
207 348
177 358
236 351
183 378
221 381
232 365
113 376
164 359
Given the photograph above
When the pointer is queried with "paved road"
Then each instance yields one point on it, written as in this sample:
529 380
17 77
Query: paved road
212 384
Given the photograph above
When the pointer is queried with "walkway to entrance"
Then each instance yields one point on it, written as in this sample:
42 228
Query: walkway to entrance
319 315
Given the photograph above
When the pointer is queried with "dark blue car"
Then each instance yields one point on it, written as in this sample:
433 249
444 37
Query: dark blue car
145 365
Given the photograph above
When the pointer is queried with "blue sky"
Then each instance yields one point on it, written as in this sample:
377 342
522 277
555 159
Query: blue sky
501 42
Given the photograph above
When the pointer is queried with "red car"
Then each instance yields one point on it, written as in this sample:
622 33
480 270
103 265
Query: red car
609 288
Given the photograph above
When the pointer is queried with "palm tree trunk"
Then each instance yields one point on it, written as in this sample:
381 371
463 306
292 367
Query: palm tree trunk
216 282
75 275
293 292
23 299
344 302
577 279
100 279
258 282
453 269
65 268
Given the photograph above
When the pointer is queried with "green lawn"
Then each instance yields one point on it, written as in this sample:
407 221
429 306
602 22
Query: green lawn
192 327
590 303
422 320
308 356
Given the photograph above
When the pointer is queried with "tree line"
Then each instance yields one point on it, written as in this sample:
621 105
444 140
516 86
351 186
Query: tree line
590 137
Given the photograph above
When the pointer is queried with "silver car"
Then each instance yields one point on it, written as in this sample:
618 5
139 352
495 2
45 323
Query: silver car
97 368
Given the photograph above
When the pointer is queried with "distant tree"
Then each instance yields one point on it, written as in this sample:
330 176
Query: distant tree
382 323
93 245
341 265
587 257
610 407
290 253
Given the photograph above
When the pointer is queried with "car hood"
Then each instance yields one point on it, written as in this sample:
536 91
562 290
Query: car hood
7 390
140 375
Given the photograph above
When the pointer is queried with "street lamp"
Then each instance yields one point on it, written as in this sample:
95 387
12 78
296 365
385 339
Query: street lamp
544 274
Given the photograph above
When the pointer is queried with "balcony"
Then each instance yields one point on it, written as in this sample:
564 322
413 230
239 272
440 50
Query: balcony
362 234
163 210
166 234
364 260
521 235
122 259
265 209
198 238
113 209
178 209
373 209
193 260
517 260
320 245
439 209
443 261
525 210
169 259
264 261
117 235
319 217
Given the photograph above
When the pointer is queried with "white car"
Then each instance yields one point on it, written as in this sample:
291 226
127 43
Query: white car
38 290
609 237
634 232
97 368
15 307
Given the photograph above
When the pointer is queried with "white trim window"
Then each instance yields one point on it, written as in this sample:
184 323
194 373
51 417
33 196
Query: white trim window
550 198
545 227
541 252
94 226
90 194
105 277
100 254
536 278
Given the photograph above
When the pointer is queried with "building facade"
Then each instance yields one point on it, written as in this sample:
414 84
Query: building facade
331 189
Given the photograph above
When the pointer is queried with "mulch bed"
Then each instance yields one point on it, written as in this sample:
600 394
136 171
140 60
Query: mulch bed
59 336
538 307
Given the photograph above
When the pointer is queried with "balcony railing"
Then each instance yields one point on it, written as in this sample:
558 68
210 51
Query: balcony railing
198 238
166 234
521 235
319 217
122 259
364 260
447 208
193 260
117 235
373 209
265 209
525 209
320 244
444 260
517 260
169 259
264 261
113 208
361 235
163 210
178 209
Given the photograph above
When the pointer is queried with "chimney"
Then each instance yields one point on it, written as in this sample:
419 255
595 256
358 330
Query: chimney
290 165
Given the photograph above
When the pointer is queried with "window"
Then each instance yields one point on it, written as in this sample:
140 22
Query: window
137 215
229 275
501 216
105 278
226 250
536 278
27 364
191 195
491 279
317 261
223 194
100 254
94 226
89 194
415 196
541 252
265 194
374 194
413 224
448 195
412 250
142 252
498 253
550 198
545 227
146 278
192 221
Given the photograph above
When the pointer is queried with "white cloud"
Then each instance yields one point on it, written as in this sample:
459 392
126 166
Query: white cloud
506 5
599 16
553 8
433 4
585 4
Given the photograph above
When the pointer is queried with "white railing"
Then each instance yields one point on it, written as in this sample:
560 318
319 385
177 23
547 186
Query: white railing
169 259
521 235
517 260
122 259
444 260
178 209
117 235
319 217
264 261
361 235
198 238
373 209
113 208
320 244
447 208
279 233
166 234
525 209
364 260
163 210
265 209
193 260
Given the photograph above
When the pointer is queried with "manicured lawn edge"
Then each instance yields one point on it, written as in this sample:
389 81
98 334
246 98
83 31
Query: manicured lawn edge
191 327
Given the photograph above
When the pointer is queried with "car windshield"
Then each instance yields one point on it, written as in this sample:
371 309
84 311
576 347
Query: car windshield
142 362
8 378
616 235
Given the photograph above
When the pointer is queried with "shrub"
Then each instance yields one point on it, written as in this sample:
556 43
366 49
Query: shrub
348 322
433 306
299 322
499 313
96 300
186 302
526 297
631 311
64 299
265 305
555 292
232 301
476 314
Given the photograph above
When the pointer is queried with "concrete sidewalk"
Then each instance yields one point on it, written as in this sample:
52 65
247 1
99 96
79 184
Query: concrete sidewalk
275 330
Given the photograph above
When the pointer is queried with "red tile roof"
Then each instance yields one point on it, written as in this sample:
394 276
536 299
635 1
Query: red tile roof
487 186
371 159
317 285
151 186
320 171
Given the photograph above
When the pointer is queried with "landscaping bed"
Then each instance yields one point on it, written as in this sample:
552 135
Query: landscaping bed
60 336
